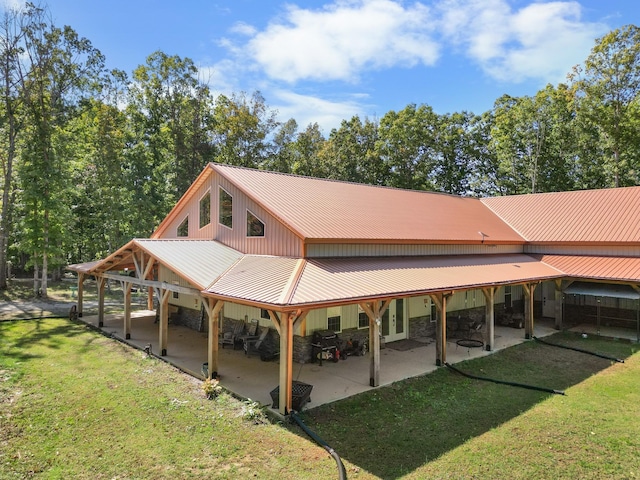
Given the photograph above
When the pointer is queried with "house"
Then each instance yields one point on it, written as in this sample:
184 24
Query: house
377 264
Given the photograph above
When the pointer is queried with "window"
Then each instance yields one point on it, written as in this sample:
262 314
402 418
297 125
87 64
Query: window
205 210
255 228
226 208
363 318
183 228
433 312
264 314
333 319
507 296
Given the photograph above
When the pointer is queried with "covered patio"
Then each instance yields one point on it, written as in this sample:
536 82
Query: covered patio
249 377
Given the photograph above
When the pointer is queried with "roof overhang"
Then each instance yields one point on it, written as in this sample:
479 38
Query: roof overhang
603 290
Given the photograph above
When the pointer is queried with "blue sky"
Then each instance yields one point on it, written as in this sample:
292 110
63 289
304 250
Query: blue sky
326 61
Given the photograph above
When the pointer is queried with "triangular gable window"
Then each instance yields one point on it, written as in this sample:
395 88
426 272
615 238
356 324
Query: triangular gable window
255 227
183 228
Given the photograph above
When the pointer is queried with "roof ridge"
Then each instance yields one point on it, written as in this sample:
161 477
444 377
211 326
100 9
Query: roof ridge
335 180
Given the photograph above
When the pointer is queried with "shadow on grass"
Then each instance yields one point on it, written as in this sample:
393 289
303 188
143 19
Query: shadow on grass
38 332
392 431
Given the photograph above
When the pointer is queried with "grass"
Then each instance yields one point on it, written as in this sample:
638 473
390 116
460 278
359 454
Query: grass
444 425
76 404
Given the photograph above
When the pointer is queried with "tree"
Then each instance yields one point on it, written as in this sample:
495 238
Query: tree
306 151
406 145
61 66
350 153
607 90
242 126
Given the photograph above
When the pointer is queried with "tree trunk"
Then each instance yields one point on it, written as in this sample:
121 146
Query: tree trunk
36 286
45 254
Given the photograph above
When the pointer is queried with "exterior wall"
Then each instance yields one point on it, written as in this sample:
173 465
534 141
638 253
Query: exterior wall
593 250
278 239
383 250
608 311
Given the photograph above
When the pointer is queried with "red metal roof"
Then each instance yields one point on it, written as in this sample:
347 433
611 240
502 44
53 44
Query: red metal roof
320 209
625 269
341 280
587 216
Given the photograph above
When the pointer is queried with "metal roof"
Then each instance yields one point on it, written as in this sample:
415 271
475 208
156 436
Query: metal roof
320 209
624 269
200 262
259 279
586 216
602 290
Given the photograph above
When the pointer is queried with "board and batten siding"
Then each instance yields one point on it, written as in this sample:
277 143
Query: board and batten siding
278 239
179 299
385 250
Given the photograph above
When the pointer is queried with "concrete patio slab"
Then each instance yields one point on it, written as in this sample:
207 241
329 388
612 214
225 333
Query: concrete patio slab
250 377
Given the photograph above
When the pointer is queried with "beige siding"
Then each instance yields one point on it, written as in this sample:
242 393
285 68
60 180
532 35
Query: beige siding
363 250
622 251
179 299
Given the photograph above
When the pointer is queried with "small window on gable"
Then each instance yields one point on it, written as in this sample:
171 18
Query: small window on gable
183 228
205 210
255 227
226 208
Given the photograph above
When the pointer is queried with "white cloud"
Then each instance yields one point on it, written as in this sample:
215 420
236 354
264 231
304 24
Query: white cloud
541 41
344 38
308 109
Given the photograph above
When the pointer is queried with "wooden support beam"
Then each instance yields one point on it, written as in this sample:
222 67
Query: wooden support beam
213 308
276 321
440 300
101 284
127 310
559 304
374 311
164 321
489 295
80 293
528 289
286 363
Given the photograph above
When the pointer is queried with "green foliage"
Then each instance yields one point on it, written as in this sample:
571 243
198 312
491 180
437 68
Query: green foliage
91 159
211 388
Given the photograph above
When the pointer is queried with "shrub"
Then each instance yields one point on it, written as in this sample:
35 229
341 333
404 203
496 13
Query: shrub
211 388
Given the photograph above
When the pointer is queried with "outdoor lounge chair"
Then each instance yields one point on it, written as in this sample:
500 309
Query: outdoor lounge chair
252 345
233 337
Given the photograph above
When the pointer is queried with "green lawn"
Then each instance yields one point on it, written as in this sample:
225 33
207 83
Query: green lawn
77 404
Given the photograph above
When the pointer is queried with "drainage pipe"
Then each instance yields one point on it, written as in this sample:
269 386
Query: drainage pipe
503 382
596 354
342 473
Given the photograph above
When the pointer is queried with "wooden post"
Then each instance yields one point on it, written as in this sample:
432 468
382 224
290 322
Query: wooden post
164 320
213 308
150 298
101 284
374 311
528 288
489 295
80 292
127 310
559 298
285 396
374 342
441 328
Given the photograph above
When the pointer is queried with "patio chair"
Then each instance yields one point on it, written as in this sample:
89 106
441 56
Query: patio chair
252 345
233 337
